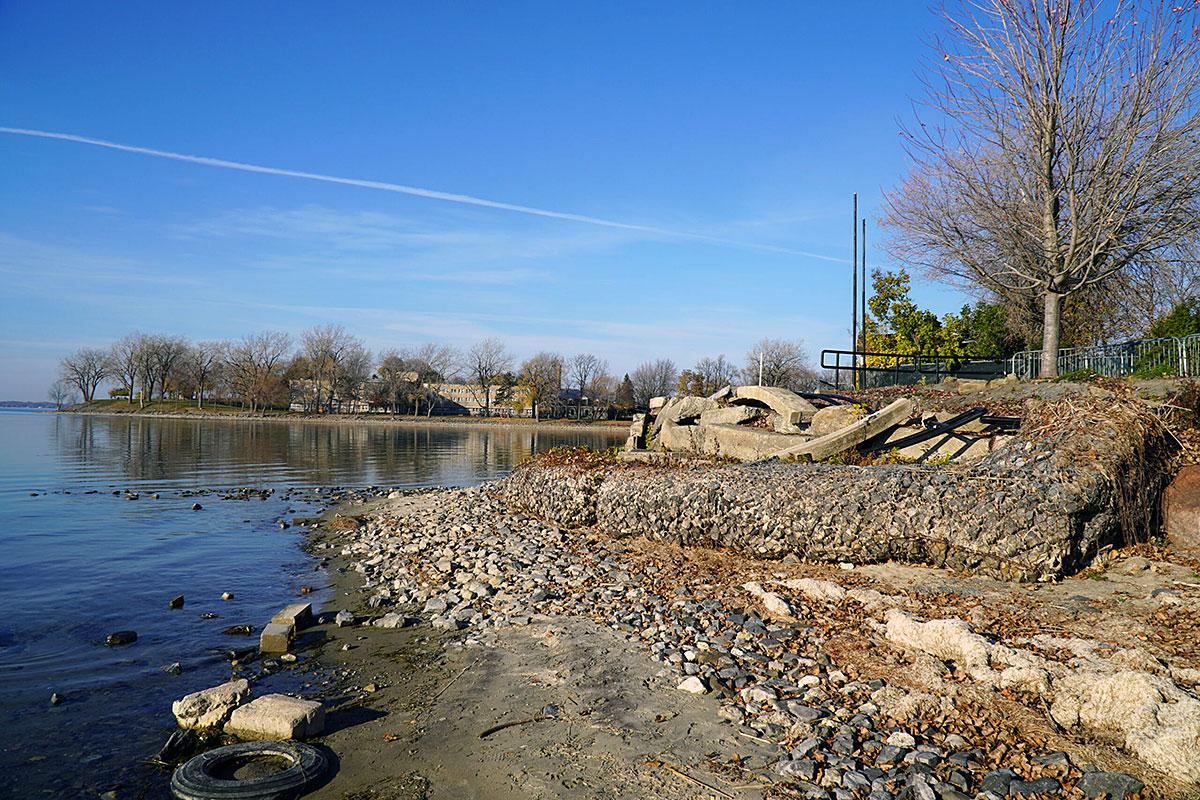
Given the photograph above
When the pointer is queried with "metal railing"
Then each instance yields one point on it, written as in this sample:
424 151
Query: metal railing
905 369
1167 356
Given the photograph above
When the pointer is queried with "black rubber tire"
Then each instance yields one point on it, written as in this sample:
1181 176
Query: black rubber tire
194 780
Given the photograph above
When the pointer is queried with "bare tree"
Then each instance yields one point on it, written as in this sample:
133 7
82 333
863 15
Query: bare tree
783 363
1068 151
166 353
653 379
60 394
200 366
327 349
255 367
583 368
436 365
124 359
714 373
486 361
541 380
85 369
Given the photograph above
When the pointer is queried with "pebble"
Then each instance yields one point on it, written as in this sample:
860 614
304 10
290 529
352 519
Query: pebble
196 506
693 684
226 595
55 699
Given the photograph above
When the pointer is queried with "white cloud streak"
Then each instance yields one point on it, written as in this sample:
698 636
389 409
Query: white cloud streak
415 191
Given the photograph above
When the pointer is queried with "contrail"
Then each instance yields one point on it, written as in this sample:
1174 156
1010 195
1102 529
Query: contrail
415 191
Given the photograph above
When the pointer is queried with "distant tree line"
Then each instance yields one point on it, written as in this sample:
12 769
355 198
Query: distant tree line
328 369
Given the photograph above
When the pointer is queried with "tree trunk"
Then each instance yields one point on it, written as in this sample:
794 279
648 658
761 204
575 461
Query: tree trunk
1051 328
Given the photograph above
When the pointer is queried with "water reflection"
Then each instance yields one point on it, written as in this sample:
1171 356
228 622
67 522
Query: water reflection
175 452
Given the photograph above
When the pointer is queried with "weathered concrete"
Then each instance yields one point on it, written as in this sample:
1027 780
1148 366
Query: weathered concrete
742 443
299 615
680 409
657 402
791 406
834 418
210 708
839 441
679 438
731 415
276 637
277 716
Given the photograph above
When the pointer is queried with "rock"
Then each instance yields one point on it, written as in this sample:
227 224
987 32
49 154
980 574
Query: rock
817 589
239 630
298 615
196 506
692 684
1109 785
1030 788
792 407
998 781
277 716
55 699
1181 508
179 745
174 668
392 620
773 603
226 595
176 602
436 605
209 615
721 394
120 637
210 708
742 443
276 637
834 418
681 409
901 739
657 402
675 438
343 619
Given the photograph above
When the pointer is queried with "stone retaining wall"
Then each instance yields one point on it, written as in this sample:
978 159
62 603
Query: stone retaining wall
1036 509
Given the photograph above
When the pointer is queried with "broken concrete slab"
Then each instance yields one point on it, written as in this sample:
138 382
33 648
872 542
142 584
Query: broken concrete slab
852 436
730 415
721 394
680 438
276 637
657 402
209 708
833 418
791 406
742 443
297 614
277 716
680 409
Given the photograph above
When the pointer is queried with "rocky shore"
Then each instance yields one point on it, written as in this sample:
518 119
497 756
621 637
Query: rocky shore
632 667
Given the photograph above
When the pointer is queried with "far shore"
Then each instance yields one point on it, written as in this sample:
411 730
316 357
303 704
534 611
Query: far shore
509 423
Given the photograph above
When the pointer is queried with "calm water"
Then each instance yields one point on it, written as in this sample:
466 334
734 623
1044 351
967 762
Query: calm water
79 562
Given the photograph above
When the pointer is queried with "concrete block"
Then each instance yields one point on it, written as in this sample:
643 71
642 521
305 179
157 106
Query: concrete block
276 638
277 716
298 614
742 443
657 402
733 415
792 407
834 418
210 708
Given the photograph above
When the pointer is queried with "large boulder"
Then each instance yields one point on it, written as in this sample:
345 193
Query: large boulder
1181 509
210 708
792 407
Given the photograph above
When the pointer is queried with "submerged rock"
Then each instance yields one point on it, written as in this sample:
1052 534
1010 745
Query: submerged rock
121 637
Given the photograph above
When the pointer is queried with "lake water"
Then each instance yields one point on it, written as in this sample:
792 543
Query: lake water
78 562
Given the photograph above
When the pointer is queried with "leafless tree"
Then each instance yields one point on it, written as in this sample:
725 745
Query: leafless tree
200 366
486 361
783 362
541 380
653 379
435 365
85 369
714 373
255 367
1062 148
60 394
327 349
583 369
124 359
166 352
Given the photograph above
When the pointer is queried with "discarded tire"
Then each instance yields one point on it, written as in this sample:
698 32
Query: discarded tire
210 776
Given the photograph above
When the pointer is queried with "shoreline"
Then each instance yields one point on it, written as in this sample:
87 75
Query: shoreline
501 619
479 423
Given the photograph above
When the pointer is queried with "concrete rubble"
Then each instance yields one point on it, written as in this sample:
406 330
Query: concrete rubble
277 716
210 708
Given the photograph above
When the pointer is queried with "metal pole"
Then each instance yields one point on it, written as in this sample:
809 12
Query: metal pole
864 299
854 297
760 366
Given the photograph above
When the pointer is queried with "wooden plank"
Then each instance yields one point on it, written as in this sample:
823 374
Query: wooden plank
852 435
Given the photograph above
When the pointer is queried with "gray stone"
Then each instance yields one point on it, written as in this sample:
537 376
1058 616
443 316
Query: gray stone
692 684
731 415
834 418
792 407
1116 785
343 619
743 443
1030 788
298 615
277 716
210 708
681 409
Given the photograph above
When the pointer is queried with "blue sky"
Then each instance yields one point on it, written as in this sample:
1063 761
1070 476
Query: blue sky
746 123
